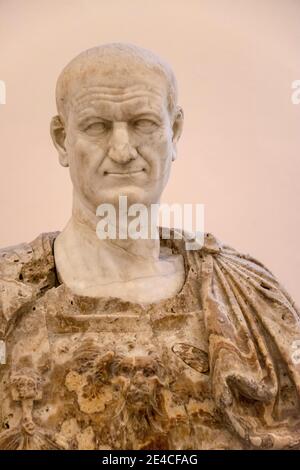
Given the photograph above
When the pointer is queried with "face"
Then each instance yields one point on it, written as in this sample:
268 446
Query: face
120 139
142 380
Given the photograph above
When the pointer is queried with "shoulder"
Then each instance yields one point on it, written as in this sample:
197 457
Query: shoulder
28 262
209 244
245 266
226 266
26 271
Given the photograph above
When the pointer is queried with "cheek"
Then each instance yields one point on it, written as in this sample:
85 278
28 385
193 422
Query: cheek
157 151
85 157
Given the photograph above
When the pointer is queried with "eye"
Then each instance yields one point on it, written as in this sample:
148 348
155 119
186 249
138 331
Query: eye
125 369
97 128
145 125
149 371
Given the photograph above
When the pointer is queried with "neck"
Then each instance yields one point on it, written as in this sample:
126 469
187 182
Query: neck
83 226
137 271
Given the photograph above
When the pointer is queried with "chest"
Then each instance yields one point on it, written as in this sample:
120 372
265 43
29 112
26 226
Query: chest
134 377
117 376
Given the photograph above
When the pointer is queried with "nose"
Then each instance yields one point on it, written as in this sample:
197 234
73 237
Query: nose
138 378
120 149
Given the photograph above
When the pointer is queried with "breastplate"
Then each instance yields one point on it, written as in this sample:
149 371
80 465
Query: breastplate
107 374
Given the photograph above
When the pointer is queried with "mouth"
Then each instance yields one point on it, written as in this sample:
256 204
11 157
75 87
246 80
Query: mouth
138 400
124 173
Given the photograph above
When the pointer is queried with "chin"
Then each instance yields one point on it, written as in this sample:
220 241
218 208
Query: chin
135 195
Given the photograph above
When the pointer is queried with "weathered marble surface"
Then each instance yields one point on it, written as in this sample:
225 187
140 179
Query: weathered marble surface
138 343
209 368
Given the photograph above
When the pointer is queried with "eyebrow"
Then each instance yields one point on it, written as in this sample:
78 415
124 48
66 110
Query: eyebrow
85 120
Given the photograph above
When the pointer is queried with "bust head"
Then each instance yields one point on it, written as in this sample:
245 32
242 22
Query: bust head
118 124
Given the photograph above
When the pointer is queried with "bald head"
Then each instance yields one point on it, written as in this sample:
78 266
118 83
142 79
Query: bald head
113 64
118 124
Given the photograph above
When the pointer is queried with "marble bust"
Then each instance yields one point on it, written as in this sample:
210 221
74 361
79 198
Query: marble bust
138 343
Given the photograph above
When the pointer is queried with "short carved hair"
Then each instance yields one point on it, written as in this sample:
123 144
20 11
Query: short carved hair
113 56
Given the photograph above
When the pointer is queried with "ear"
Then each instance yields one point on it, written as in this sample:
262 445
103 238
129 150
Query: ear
58 134
177 129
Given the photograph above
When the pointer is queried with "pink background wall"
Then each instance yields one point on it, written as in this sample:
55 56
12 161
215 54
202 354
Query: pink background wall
235 61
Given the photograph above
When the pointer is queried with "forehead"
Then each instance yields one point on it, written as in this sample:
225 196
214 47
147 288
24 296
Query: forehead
120 97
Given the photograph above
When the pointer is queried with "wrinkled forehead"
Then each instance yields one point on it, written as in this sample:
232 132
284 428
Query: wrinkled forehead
132 88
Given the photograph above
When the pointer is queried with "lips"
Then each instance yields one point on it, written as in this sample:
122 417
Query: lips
124 173
137 395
